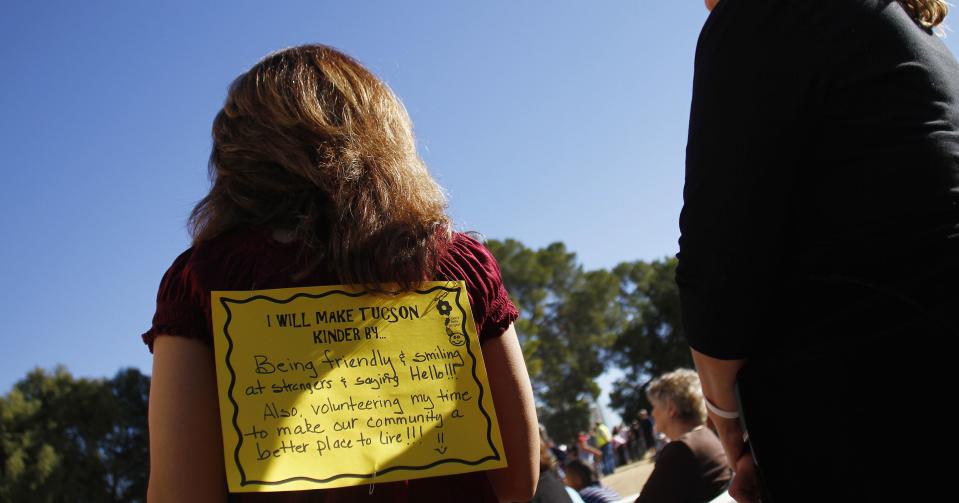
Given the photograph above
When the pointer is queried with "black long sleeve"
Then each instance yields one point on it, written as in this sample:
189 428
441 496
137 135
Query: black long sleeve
823 150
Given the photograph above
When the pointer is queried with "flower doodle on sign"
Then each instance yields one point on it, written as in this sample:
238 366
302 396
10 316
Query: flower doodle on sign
444 307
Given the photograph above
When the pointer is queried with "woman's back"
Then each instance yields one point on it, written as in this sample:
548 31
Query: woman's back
252 259
692 468
312 146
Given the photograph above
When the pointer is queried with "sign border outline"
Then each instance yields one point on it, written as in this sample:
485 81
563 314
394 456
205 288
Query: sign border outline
225 301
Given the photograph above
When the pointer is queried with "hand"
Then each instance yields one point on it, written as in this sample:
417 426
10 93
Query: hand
718 378
745 485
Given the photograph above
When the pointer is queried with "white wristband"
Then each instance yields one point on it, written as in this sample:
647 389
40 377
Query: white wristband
725 414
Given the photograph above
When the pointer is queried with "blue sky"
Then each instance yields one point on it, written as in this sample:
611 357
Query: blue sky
545 121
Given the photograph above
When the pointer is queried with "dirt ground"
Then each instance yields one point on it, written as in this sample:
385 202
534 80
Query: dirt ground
629 479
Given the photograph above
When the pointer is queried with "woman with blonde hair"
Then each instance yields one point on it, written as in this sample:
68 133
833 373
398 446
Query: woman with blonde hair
692 466
819 249
316 181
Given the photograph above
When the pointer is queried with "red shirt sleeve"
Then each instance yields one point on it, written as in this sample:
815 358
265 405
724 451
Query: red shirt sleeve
181 306
470 261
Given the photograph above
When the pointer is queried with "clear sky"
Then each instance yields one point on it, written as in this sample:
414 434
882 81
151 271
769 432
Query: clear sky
545 121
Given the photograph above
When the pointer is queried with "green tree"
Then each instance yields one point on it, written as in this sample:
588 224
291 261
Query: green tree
652 342
127 443
569 318
66 439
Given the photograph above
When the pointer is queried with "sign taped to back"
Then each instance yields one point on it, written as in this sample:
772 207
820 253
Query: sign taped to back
335 386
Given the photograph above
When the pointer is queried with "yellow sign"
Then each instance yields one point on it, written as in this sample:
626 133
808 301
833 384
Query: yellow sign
335 386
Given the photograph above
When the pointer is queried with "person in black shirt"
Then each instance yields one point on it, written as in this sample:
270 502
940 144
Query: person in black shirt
647 428
692 467
819 249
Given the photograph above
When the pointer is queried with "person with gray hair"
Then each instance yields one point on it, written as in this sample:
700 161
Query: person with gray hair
692 466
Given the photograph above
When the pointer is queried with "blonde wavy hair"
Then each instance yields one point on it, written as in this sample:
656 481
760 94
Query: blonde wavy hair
928 13
311 142
682 388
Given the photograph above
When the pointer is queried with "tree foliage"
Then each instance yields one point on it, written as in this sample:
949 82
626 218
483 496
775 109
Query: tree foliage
66 439
569 319
652 342
576 324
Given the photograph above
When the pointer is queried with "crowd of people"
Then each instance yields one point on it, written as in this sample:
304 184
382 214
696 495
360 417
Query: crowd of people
605 449
690 462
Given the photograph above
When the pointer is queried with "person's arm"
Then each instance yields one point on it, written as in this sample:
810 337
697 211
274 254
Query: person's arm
513 398
186 450
588 448
718 378
756 72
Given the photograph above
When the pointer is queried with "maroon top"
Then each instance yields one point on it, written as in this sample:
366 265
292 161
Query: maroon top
253 260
